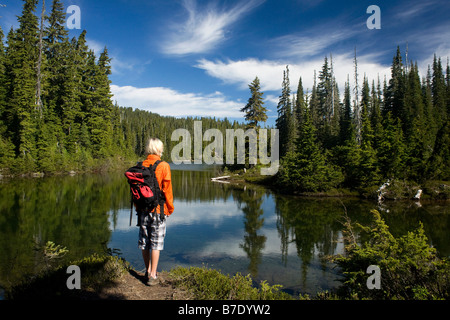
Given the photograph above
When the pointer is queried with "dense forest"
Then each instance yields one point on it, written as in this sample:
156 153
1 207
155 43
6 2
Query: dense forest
377 133
56 114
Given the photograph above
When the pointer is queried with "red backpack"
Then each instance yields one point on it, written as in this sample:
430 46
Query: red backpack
145 192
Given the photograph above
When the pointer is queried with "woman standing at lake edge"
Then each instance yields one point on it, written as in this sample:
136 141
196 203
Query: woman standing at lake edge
152 231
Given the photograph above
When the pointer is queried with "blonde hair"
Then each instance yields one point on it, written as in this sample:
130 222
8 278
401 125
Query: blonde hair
154 146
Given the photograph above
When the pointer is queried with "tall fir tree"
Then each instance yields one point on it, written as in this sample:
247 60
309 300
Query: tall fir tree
391 152
40 64
22 55
439 93
56 42
299 109
439 162
300 103
285 116
417 132
71 104
346 128
3 84
254 110
101 117
7 153
96 99
447 80
324 90
375 113
395 91
307 169
368 172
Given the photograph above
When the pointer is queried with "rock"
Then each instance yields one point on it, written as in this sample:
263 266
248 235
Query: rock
418 194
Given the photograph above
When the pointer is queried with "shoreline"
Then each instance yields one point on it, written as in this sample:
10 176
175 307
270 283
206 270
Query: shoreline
398 190
112 278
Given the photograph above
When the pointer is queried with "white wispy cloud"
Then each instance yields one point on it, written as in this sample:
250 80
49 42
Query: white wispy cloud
169 102
414 9
204 28
312 42
242 72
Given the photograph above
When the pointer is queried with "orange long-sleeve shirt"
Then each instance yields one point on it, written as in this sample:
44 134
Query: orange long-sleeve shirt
164 177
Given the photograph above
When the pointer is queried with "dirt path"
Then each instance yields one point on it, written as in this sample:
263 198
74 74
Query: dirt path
131 286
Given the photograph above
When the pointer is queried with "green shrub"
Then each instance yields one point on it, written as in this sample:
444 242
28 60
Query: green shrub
210 284
410 267
97 271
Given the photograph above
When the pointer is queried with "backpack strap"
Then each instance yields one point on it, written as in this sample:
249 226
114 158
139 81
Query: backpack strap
161 197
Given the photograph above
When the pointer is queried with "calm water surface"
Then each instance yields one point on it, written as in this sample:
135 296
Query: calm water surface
281 239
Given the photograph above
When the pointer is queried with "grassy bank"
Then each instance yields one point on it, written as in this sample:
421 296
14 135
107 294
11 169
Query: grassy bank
90 166
100 272
97 272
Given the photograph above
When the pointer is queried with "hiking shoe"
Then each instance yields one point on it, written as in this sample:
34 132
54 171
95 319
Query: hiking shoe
152 281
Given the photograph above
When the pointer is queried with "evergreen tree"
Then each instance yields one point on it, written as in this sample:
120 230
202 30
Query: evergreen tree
346 154
447 79
439 162
255 112
324 88
40 74
327 121
368 173
366 104
57 49
299 109
439 93
346 131
300 104
22 55
375 114
71 105
391 152
100 105
7 153
417 134
284 122
395 92
3 85
307 168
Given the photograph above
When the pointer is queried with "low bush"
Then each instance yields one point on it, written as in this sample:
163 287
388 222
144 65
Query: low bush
410 267
210 284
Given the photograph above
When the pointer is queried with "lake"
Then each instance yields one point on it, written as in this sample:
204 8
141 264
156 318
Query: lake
234 228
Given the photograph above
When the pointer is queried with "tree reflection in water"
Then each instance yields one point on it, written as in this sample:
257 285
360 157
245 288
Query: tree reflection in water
245 229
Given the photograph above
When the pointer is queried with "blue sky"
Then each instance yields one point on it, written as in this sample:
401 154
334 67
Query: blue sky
196 58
